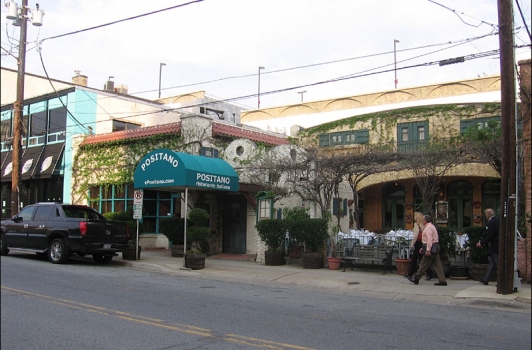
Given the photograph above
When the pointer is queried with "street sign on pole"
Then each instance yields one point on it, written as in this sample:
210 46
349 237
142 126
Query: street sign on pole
137 204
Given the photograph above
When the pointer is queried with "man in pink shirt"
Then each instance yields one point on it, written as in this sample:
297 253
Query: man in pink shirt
429 237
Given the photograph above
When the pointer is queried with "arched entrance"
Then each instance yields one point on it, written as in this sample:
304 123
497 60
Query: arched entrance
460 197
393 204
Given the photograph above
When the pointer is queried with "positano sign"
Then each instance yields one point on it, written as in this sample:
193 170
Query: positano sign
163 168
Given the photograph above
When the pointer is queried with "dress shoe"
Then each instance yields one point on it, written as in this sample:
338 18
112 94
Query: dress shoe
413 280
483 282
407 275
440 284
428 278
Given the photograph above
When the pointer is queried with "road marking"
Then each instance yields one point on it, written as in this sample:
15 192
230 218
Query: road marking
202 332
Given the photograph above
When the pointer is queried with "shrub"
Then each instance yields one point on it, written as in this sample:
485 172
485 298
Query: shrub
198 233
313 232
272 232
447 240
173 229
475 234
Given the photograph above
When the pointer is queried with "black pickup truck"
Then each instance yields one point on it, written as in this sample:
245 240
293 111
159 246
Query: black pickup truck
61 230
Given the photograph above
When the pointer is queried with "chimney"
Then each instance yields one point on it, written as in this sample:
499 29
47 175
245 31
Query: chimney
80 79
110 85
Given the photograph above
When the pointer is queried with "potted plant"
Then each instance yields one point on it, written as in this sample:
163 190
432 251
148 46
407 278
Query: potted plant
295 243
174 229
479 256
197 239
337 247
313 232
272 232
402 262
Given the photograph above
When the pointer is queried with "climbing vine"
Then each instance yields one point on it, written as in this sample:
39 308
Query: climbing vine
384 123
113 163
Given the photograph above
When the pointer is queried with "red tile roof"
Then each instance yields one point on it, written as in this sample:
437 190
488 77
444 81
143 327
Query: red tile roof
246 133
133 134
217 129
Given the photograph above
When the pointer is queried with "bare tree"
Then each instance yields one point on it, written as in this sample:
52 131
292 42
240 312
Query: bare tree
429 162
366 160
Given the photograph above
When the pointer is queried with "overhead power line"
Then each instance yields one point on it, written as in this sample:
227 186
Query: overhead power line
121 20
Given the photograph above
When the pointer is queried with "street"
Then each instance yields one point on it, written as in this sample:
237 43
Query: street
82 305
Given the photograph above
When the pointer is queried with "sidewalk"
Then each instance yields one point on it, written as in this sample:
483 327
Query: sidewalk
360 282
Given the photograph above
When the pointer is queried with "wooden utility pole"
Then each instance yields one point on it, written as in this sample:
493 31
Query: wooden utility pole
17 115
505 271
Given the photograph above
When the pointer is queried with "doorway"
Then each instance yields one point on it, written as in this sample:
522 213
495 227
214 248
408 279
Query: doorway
393 204
460 197
234 234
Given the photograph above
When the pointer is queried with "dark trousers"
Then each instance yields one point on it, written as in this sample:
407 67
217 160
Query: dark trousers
493 260
416 258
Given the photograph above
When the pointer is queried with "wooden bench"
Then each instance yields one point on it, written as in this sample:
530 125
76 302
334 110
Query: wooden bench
381 254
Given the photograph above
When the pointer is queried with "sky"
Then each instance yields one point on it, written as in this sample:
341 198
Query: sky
310 49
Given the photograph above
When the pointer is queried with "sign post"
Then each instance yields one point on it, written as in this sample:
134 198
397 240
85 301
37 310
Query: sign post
137 214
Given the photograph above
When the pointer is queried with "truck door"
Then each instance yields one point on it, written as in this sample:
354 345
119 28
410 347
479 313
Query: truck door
38 227
16 231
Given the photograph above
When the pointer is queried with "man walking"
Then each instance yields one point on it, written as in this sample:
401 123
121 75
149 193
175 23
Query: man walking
491 238
429 237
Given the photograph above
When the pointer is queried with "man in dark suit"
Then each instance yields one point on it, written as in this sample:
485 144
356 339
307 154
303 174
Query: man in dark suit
491 238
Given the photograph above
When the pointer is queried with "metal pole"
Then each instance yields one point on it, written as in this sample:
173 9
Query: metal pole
137 242
185 228
301 92
395 41
17 116
258 95
160 75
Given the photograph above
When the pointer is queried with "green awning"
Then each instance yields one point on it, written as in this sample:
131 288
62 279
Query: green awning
166 169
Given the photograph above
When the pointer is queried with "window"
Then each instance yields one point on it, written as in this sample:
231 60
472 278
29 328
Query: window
477 123
410 136
120 126
339 206
209 152
324 140
114 198
265 211
344 138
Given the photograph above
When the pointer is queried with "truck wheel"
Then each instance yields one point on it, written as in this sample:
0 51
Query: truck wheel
102 259
58 251
3 245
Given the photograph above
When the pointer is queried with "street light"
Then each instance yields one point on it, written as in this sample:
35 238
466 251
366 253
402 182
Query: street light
258 95
20 18
395 41
160 73
301 93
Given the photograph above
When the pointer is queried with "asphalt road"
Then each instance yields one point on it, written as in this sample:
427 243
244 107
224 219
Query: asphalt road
82 305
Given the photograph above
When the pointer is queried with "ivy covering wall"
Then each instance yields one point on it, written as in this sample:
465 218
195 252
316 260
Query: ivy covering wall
444 120
113 163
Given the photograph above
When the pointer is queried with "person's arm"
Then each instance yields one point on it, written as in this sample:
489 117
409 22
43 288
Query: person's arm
430 237
490 234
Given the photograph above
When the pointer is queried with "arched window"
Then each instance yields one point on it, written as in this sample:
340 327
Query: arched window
393 206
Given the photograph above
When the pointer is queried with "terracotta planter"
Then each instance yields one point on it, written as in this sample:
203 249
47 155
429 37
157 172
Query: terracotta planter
334 263
403 266
195 261
273 258
312 260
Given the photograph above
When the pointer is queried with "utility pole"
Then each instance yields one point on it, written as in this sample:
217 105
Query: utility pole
17 116
258 94
505 271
